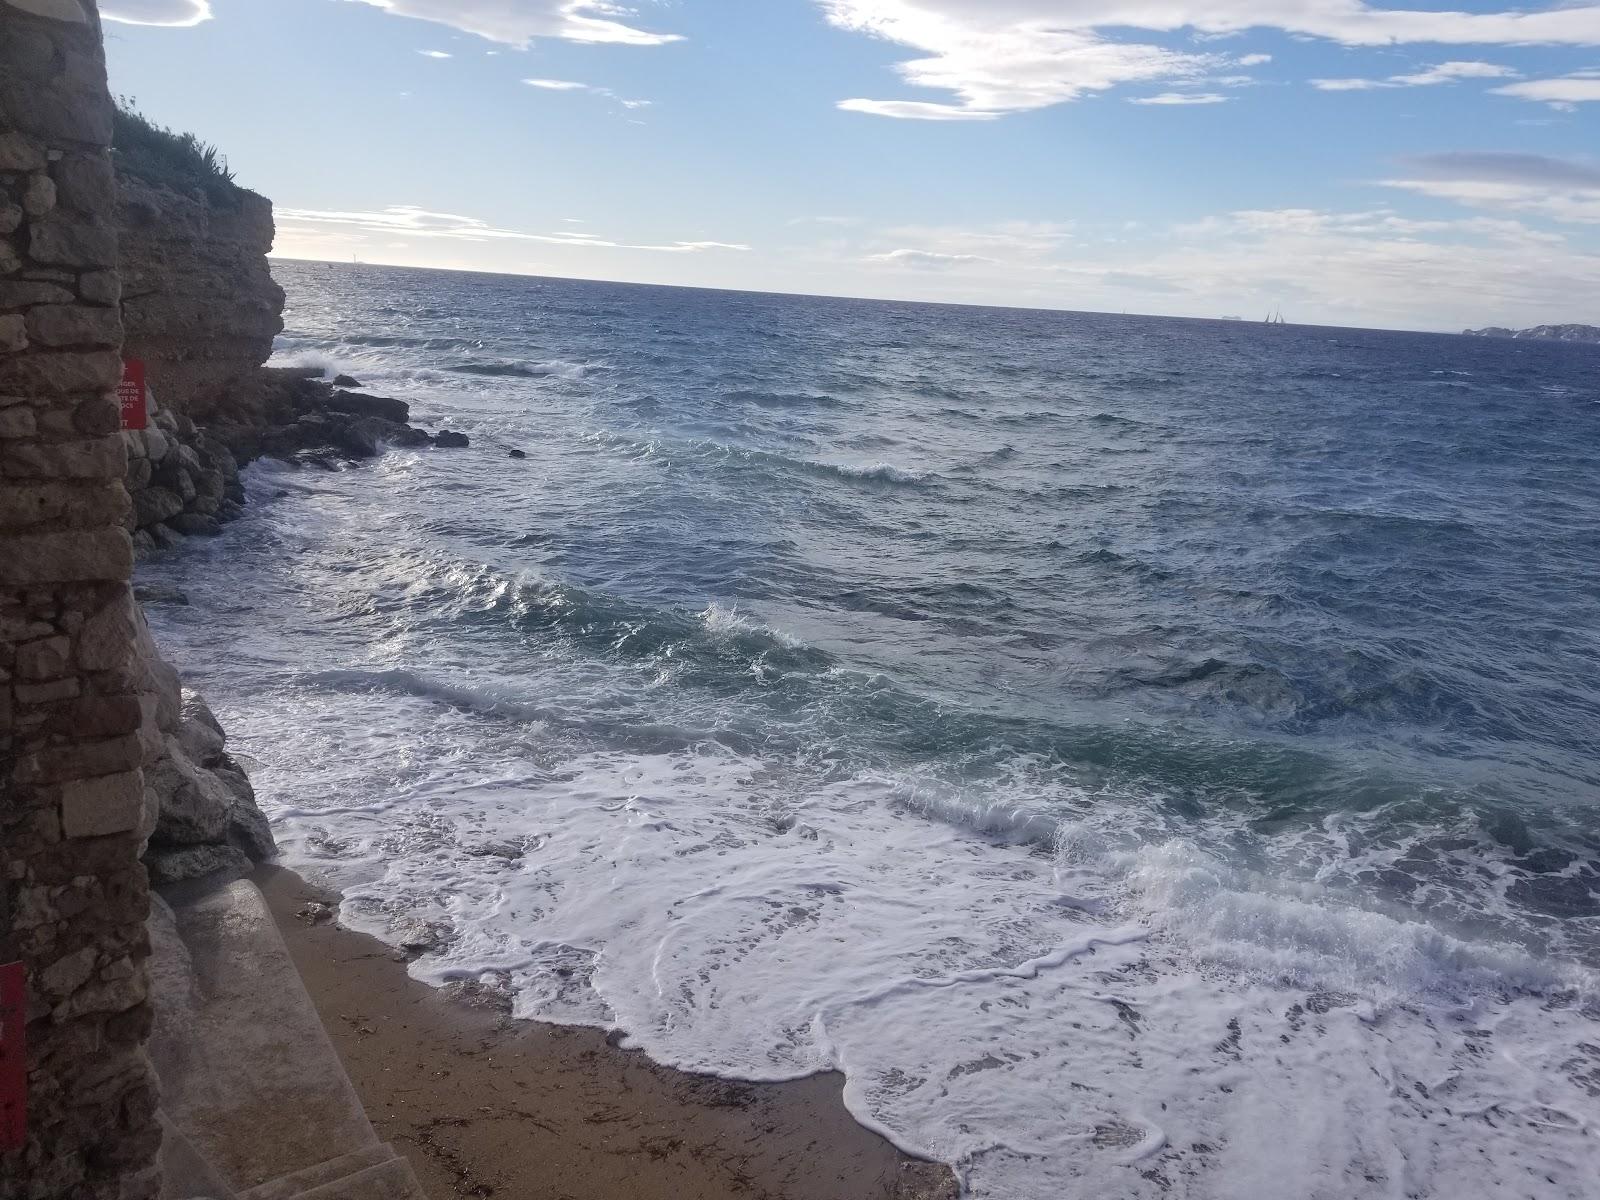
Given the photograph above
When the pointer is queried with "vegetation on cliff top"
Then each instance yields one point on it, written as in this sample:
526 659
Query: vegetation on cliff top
180 161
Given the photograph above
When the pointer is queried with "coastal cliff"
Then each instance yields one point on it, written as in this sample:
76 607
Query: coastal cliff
199 304
1541 333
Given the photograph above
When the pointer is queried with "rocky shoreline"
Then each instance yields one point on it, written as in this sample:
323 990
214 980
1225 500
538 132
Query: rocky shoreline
184 481
184 478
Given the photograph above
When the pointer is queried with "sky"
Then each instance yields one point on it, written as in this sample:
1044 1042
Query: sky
1432 166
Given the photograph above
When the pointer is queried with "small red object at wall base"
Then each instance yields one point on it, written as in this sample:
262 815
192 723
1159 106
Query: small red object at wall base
13 1057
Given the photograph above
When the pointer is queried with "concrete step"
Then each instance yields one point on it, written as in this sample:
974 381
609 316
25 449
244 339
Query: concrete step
247 1071
392 1180
287 1187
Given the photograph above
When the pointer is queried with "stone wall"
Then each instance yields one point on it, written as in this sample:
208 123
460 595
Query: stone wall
198 302
73 819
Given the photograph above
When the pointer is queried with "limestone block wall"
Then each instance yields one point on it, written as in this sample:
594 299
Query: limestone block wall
198 302
73 819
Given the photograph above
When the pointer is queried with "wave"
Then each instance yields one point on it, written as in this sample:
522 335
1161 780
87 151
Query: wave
714 454
878 472
525 369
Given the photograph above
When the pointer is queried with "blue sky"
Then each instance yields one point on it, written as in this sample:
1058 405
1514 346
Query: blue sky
1432 166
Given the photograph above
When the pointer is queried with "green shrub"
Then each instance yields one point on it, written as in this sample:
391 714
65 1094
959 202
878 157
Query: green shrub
157 155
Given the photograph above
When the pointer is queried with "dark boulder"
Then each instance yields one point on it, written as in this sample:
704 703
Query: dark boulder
355 439
360 405
519 454
407 436
347 381
193 524
449 437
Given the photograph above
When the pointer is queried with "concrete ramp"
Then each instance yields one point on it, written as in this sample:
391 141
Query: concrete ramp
249 1080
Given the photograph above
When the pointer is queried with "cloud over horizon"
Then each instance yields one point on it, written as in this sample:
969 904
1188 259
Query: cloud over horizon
410 220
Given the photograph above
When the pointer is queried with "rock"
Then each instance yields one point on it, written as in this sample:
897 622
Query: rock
150 593
345 381
153 505
449 438
408 437
369 406
381 429
175 865
356 441
209 489
201 734
193 524
194 806
519 454
248 828
417 936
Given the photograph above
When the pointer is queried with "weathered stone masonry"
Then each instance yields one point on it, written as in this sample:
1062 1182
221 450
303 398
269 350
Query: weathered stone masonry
73 816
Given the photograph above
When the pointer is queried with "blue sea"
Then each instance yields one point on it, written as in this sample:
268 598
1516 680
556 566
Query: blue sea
1148 758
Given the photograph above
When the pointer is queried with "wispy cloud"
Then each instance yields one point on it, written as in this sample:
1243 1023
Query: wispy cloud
1448 72
1557 189
1565 92
918 110
416 222
925 259
180 13
435 54
519 22
1180 98
998 58
1376 265
572 85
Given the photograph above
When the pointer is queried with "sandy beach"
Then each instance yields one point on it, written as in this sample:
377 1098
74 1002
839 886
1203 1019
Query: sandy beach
483 1105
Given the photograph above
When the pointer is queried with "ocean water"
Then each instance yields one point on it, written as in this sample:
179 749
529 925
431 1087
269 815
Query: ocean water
1149 758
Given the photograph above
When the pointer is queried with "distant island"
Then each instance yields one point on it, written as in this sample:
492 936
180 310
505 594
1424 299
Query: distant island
1548 333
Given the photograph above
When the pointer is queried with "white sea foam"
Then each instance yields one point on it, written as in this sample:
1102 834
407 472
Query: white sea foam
1083 1019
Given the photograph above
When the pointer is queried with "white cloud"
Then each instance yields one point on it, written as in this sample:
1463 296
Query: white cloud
1004 56
519 22
1374 266
1448 72
435 54
416 222
917 110
572 85
1253 60
925 259
1180 98
1564 92
1556 189
180 13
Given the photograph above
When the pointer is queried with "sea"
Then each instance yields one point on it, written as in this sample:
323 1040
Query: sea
1145 757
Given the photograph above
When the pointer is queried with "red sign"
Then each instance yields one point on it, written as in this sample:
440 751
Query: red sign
13 1057
130 394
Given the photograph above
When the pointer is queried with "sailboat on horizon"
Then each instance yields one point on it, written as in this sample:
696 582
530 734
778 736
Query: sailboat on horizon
1275 317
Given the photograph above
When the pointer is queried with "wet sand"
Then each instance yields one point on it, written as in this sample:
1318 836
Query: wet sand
485 1106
